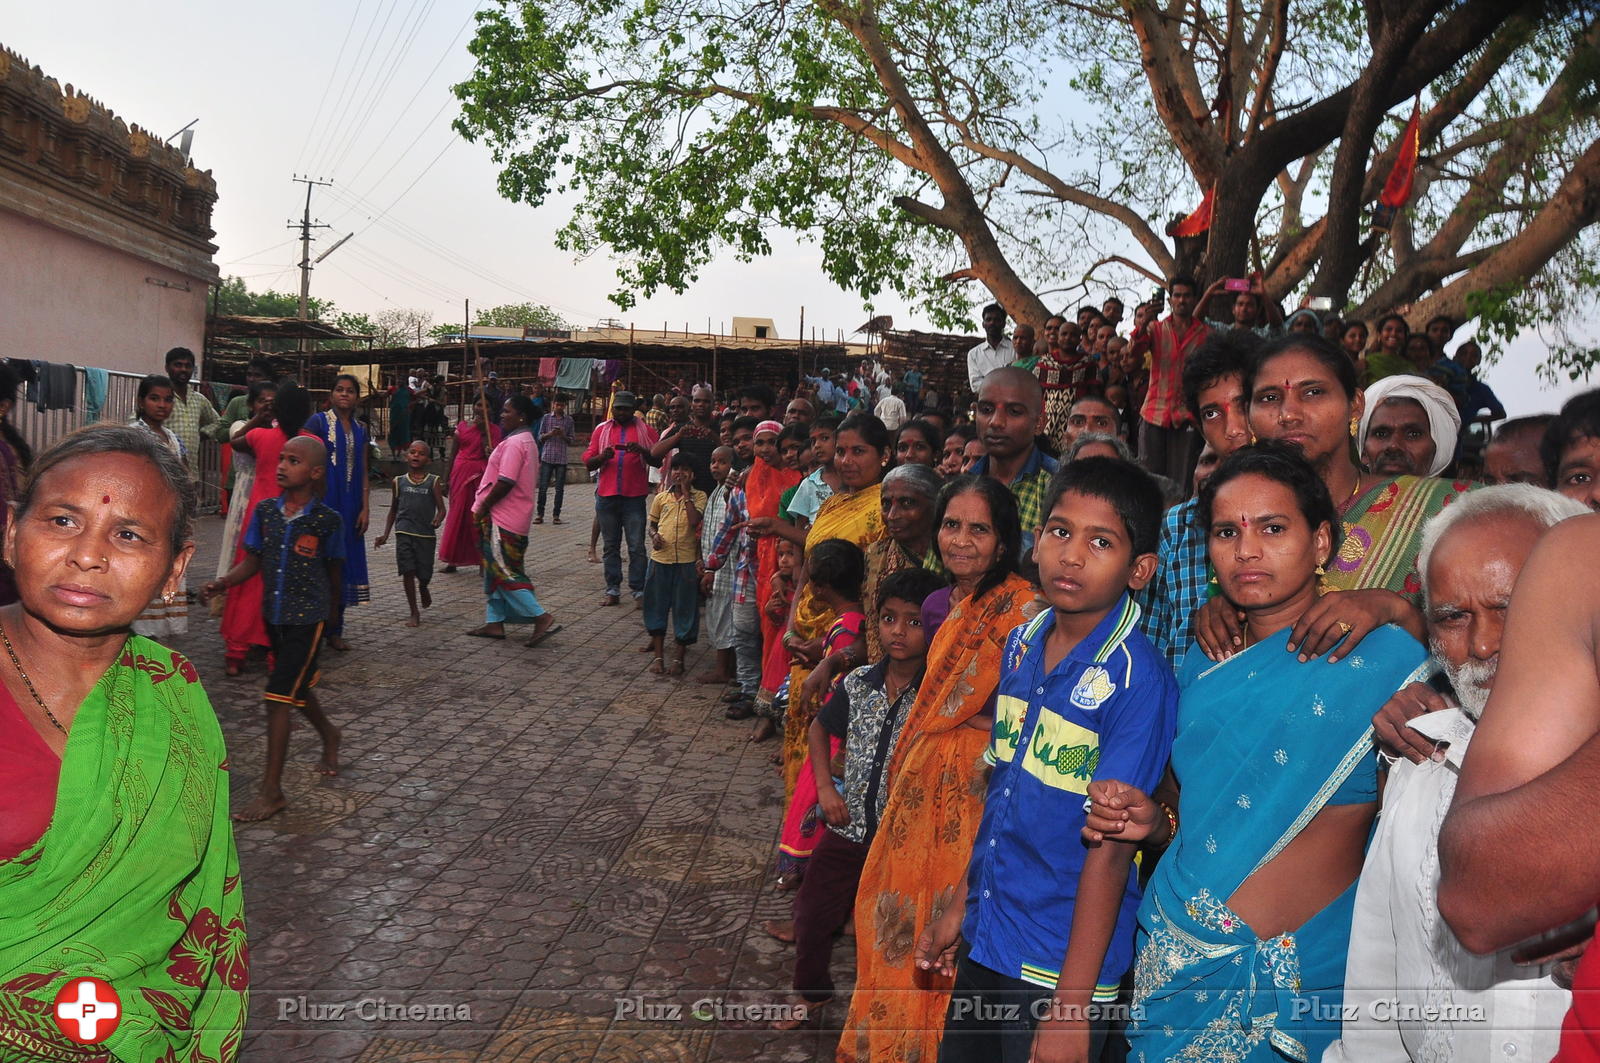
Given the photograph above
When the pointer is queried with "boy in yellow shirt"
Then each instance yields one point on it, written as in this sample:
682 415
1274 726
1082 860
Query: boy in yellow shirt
671 586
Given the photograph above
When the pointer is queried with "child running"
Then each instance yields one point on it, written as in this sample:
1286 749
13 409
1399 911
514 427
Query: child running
1045 922
671 586
865 713
415 515
298 543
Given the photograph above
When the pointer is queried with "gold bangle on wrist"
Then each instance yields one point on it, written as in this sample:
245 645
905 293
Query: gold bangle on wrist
1172 821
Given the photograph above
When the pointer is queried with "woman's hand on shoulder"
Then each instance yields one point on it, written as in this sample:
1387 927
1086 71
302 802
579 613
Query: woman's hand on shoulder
1219 629
1342 619
1124 812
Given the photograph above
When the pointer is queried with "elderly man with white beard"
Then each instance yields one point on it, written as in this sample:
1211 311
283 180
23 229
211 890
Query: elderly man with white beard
1412 991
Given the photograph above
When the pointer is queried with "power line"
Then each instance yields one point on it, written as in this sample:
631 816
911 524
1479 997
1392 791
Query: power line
353 75
433 247
426 129
390 64
333 72
406 108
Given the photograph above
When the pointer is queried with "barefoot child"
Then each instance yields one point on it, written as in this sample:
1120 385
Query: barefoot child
415 515
297 543
865 713
1044 921
671 588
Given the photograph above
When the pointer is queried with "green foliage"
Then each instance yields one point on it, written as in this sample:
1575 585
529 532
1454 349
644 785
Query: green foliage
234 299
689 129
519 315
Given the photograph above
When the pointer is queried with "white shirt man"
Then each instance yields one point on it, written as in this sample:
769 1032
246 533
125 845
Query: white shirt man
1412 990
987 357
891 410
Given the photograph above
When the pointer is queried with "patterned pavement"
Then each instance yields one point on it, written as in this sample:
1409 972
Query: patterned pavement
540 855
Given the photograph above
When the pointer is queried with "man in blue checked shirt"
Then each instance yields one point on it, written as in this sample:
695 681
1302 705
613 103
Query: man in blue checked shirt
1213 387
1046 926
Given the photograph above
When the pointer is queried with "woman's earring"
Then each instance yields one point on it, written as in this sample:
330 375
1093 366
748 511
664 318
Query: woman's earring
1323 586
168 598
1355 426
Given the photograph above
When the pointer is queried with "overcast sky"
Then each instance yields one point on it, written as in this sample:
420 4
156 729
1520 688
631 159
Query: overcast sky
357 92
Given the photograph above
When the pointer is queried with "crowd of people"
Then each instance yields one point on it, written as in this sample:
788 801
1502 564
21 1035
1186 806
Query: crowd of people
1086 731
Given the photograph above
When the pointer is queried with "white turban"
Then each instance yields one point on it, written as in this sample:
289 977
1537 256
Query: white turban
1444 420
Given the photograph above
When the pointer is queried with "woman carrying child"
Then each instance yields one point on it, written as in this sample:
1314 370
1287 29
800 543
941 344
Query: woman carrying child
854 513
834 569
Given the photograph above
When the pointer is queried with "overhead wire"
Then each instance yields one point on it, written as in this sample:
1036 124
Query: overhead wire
405 109
353 75
333 72
366 105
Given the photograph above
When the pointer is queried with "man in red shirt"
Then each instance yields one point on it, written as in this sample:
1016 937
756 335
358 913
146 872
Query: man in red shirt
619 449
1167 442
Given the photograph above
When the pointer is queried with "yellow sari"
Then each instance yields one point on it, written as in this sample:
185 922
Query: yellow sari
857 517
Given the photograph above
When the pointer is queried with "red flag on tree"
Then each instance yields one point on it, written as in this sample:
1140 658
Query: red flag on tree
1199 221
1397 189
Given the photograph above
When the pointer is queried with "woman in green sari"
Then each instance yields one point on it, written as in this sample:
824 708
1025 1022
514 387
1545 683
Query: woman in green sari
116 855
1303 391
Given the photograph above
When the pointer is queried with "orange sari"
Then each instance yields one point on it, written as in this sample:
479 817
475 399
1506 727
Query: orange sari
764 486
924 840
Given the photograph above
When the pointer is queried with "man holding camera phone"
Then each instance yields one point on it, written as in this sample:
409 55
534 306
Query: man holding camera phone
1242 303
1167 440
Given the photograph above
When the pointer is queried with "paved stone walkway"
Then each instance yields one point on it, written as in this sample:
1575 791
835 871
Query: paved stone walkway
557 853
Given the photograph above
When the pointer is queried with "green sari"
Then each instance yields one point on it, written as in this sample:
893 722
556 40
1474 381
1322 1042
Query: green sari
135 882
1383 533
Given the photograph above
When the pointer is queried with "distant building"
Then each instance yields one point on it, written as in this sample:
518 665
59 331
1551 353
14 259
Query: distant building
106 229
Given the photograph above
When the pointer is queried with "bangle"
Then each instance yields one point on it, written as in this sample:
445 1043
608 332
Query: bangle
1172 821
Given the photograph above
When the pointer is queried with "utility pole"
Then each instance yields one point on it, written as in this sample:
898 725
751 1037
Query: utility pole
305 227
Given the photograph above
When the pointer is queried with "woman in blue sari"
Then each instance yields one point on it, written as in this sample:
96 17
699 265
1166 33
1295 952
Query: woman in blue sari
1246 922
346 491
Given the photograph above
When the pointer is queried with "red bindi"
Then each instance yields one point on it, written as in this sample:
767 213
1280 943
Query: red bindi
1244 522
105 500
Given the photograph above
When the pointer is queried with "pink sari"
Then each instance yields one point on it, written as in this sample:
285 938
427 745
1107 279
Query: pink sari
802 820
458 541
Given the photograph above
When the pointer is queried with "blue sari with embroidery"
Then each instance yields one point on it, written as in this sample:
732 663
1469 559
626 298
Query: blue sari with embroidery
345 492
1264 743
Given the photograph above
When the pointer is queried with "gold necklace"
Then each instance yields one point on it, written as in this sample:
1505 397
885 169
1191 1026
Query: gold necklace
28 682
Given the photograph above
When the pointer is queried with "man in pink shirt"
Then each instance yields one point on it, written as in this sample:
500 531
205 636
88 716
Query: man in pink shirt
619 450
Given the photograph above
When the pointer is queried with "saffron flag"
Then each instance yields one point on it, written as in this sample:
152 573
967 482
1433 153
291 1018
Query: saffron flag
1199 221
1397 189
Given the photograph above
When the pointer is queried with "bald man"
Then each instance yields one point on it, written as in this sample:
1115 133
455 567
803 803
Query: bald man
1009 401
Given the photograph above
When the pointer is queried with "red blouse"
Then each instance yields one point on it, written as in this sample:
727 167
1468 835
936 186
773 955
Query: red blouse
29 773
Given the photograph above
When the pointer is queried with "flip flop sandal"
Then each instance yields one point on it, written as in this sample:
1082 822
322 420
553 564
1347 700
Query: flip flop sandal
535 640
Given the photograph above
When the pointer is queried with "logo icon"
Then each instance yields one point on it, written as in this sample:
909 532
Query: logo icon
1094 687
88 1010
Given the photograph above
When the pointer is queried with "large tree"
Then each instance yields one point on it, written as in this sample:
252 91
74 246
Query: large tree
1038 148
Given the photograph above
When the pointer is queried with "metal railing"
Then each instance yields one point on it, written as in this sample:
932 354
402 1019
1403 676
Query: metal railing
42 428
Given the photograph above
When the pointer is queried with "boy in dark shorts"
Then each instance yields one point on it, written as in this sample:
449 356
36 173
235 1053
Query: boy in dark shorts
297 545
415 516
